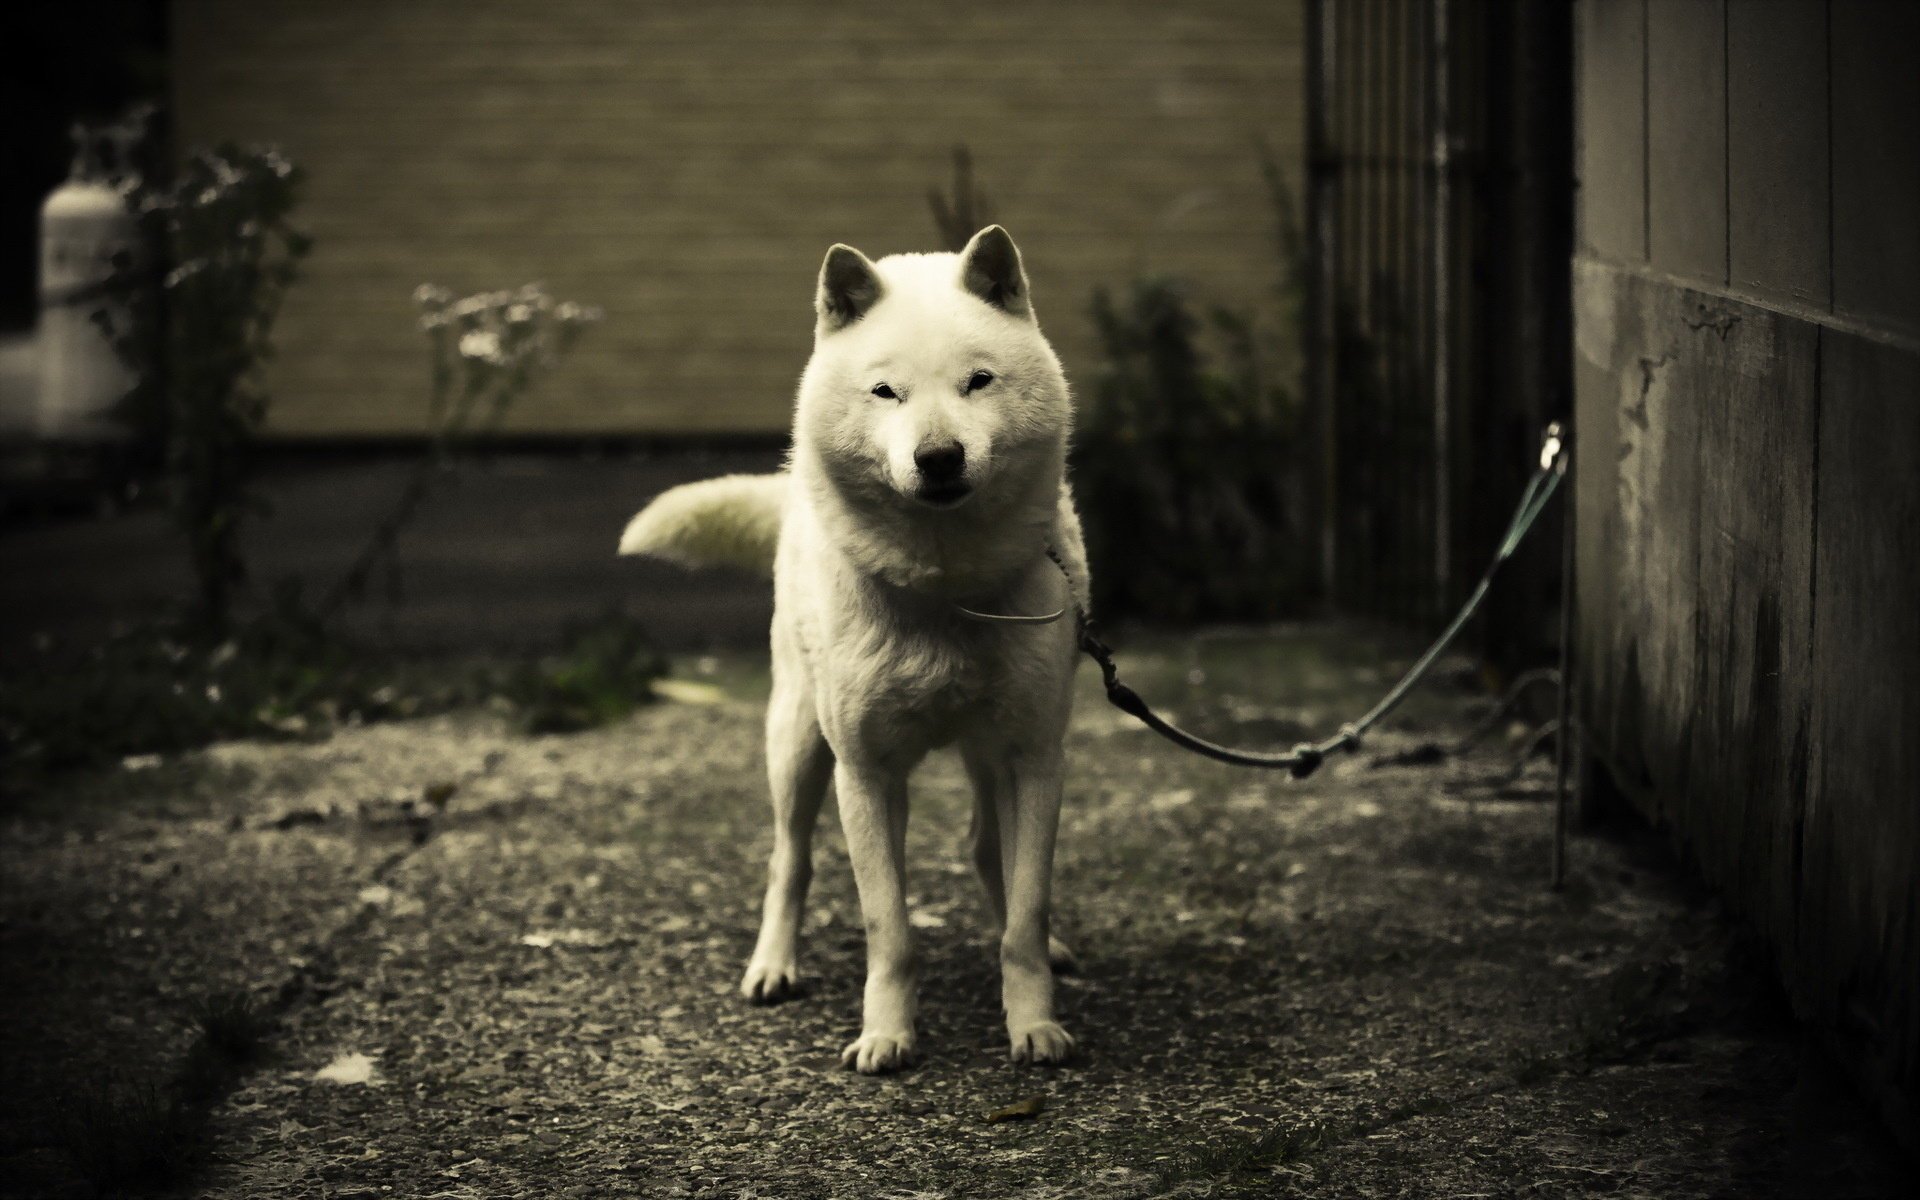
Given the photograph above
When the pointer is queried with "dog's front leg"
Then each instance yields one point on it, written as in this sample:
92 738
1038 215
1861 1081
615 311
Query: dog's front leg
1029 809
799 766
873 814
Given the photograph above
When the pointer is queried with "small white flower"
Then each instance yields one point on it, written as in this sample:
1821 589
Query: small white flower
481 344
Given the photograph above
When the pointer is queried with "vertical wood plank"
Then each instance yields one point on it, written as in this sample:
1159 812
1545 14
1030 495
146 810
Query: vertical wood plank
1753 373
1659 427
1611 114
1687 138
1778 181
1861 892
1876 162
1603 338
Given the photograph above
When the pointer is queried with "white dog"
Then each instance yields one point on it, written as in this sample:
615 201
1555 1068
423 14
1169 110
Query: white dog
927 477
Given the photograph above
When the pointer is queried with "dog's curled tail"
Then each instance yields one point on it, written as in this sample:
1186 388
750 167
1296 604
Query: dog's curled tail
732 521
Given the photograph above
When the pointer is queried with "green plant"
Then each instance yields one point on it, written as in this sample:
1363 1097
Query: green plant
149 691
155 689
233 1027
126 1135
604 670
197 332
964 213
1190 457
484 352
1187 471
1248 1153
129 1134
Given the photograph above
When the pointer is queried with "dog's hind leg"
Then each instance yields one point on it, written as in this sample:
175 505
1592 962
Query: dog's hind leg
799 767
985 838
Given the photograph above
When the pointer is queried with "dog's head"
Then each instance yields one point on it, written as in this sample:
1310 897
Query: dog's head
930 383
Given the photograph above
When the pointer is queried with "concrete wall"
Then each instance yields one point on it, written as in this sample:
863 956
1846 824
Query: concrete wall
1747 374
685 166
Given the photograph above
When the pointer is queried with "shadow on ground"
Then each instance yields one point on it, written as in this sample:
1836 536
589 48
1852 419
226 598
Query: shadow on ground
1356 986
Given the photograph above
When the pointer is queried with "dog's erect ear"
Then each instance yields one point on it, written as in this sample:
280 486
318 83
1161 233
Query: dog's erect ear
991 270
849 286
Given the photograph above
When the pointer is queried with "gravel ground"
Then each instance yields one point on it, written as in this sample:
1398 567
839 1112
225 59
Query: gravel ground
516 959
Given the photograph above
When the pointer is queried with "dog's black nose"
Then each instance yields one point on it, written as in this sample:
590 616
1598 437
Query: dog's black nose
941 464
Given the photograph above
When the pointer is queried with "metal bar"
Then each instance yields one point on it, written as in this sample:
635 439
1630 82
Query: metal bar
1441 150
1320 242
1323 56
1407 586
1379 421
1565 744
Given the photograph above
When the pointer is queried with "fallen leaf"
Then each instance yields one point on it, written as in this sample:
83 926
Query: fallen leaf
1168 801
294 724
347 1069
686 691
920 918
542 939
1024 1110
437 794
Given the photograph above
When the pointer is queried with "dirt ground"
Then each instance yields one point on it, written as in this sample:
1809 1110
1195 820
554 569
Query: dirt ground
502 966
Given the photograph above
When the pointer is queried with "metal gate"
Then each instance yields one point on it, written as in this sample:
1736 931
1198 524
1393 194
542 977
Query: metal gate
1440 219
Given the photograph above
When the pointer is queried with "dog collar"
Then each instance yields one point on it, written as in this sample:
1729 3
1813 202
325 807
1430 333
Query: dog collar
1022 619
1010 618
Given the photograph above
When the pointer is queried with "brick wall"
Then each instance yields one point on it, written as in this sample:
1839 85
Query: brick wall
686 166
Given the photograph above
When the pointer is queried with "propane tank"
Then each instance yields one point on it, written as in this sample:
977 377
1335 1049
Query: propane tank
83 225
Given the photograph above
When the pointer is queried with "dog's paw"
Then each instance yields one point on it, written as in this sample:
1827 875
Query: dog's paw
1043 1042
770 982
878 1053
1061 958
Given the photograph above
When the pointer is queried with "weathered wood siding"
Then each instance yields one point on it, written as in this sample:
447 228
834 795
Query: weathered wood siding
1747 378
685 166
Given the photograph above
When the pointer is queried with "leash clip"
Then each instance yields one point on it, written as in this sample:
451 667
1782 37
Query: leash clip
1552 449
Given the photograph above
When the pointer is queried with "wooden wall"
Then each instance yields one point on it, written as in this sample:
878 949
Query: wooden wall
685 166
1747 377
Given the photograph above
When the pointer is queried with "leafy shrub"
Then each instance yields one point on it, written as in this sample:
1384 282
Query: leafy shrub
151 690
158 688
1188 473
196 337
964 211
603 672
129 1135
1190 467
484 353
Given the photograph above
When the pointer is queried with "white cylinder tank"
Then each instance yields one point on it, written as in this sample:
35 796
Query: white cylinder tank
84 223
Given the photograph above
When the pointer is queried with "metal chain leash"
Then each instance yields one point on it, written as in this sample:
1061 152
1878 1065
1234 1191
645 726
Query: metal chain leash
1305 758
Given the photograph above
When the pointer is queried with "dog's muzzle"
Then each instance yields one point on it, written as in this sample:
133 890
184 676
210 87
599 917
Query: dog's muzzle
943 475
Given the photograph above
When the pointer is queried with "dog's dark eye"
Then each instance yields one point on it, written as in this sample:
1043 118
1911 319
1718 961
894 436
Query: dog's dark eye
884 392
979 380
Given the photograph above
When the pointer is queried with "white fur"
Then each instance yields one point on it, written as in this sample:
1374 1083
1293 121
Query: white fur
873 666
733 521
